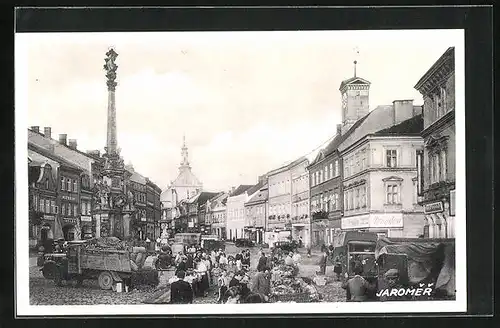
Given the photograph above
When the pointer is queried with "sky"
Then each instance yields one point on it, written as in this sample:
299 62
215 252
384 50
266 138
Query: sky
247 102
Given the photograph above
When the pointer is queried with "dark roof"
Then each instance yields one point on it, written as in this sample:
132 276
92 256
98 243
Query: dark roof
48 154
67 146
412 126
256 188
335 143
259 197
204 196
241 189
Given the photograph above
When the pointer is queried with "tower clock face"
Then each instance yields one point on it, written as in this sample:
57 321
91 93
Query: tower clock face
344 100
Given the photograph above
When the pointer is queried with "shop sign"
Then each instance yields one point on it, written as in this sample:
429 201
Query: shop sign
49 217
386 221
86 218
435 207
70 220
73 199
355 222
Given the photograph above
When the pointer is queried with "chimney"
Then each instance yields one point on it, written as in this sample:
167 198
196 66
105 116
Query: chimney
72 144
35 128
47 131
62 139
403 110
339 129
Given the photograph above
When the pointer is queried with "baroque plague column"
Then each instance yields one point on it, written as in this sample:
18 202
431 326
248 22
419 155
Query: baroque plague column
113 199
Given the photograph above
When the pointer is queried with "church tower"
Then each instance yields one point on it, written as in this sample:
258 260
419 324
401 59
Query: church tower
184 153
355 93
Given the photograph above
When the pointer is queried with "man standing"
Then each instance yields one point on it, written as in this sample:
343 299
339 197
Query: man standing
261 283
180 290
357 287
262 262
322 262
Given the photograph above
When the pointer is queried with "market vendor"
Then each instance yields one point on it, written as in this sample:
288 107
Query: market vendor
261 283
202 284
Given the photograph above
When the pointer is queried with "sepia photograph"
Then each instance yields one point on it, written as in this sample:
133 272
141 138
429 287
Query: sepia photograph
208 172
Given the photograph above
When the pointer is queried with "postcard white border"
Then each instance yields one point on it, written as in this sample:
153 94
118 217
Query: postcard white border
23 308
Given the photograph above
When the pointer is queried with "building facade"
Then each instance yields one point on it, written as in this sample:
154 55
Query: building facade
153 193
235 208
300 215
256 214
216 215
379 180
325 178
42 200
280 201
140 225
436 180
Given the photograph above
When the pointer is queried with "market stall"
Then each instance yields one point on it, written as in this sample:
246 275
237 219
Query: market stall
287 286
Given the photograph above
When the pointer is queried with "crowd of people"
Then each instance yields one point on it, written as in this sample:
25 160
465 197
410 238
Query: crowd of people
229 275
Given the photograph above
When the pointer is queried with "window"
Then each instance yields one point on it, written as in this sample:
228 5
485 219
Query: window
391 157
63 209
70 210
443 165
75 209
337 168
346 168
63 183
336 199
326 173
363 160
346 201
69 184
351 203
419 171
53 206
357 167
392 193
331 171
75 184
435 168
363 196
356 198
415 191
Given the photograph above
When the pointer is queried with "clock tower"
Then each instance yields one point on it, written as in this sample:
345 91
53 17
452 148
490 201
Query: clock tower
355 93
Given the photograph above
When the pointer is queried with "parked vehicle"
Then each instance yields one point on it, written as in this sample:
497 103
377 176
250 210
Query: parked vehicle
244 242
419 261
108 266
286 246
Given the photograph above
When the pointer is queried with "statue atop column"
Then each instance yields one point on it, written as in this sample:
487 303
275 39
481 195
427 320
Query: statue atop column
110 68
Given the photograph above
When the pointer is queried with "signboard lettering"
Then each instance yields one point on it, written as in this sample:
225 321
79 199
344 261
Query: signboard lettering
86 218
70 220
435 207
382 221
355 222
49 217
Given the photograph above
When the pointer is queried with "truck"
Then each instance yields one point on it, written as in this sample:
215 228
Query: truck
77 263
353 248
419 262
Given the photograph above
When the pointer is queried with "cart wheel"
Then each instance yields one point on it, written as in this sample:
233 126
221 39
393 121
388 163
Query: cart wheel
105 280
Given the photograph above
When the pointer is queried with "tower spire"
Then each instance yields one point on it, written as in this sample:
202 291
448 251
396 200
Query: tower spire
355 62
184 153
356 55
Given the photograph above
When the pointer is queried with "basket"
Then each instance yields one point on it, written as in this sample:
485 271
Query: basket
295 297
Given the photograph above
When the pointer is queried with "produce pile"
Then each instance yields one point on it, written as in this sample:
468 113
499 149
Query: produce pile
107 243
286 285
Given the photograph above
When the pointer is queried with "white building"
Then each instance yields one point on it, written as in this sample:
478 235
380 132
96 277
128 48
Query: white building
380 176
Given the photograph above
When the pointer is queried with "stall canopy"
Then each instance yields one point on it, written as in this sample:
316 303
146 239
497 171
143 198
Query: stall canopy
427 260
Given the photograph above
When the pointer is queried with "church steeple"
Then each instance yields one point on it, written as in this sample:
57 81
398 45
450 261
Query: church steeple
184 153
